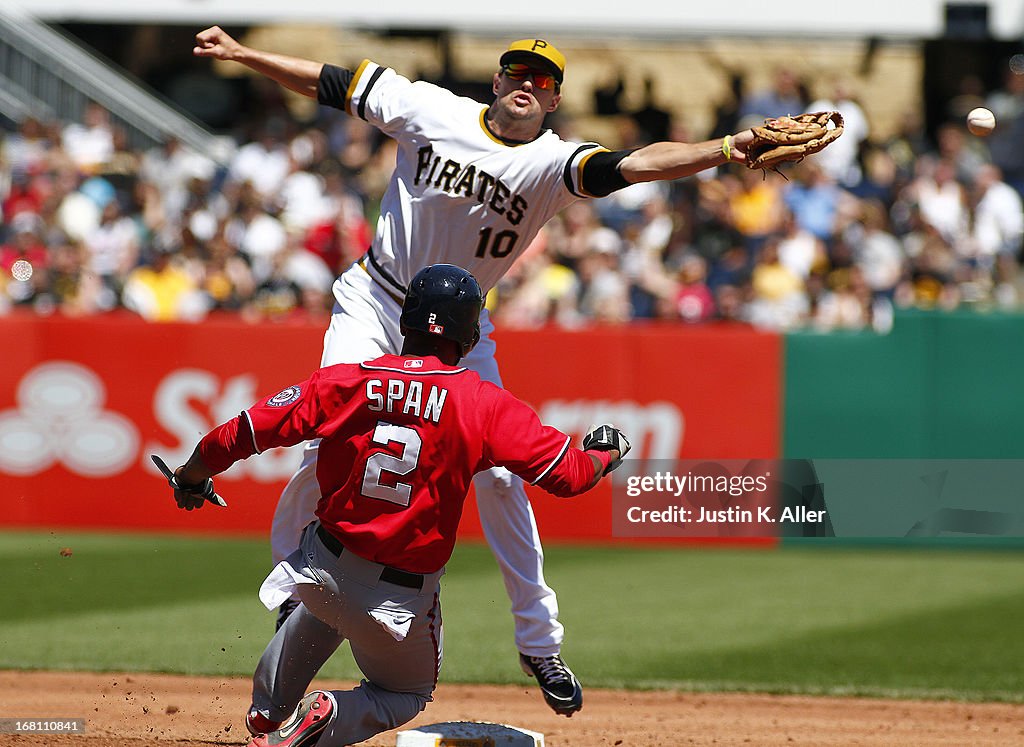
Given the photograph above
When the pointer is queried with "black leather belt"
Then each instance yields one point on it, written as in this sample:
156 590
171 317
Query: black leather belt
391 575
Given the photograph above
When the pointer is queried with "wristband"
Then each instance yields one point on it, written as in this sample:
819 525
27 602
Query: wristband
604 457
727 147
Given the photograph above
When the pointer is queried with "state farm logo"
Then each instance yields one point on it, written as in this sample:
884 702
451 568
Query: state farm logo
59 419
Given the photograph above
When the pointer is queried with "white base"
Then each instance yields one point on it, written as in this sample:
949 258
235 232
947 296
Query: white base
469 734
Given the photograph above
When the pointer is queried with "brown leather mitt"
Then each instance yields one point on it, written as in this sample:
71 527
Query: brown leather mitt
792 138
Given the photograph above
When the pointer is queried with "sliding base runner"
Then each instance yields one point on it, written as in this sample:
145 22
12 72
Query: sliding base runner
469 734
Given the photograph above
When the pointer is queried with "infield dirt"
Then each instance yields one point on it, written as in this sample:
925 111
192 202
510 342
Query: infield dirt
148 710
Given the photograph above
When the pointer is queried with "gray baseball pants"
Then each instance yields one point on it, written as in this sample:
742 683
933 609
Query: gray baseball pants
347 600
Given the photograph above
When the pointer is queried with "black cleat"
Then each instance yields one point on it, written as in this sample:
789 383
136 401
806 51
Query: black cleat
287 607
559 685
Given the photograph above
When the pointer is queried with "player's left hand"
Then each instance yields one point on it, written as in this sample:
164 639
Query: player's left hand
785 139
740 142
607 437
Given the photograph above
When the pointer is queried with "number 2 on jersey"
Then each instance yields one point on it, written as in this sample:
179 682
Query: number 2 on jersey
384 434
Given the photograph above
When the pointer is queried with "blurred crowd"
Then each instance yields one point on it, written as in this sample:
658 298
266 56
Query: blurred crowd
839 241
91 226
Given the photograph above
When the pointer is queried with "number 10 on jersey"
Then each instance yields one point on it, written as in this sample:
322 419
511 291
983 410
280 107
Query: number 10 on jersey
501 245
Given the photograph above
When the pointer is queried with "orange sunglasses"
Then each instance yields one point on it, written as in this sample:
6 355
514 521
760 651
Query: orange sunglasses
517 71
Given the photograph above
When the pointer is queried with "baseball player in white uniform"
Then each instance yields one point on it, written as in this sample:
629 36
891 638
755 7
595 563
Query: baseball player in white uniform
472 185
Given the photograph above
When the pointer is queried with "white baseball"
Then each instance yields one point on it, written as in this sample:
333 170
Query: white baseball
981 121
21 270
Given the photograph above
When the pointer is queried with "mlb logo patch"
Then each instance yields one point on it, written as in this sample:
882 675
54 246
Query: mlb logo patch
436 329
285 397
415 363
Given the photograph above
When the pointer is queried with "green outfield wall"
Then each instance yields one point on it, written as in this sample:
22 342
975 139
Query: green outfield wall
941 385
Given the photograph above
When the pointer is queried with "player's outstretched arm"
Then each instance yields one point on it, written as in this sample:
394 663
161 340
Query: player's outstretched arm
578 471
294 73
604 446
216 451
515 438
673 160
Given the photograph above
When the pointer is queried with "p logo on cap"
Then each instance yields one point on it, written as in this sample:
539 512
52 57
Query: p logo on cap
535 52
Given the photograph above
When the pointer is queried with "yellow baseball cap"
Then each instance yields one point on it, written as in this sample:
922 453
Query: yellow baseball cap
535 52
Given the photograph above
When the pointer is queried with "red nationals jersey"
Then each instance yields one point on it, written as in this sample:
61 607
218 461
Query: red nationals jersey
401 439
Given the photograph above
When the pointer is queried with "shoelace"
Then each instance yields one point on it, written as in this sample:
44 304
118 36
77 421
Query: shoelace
551 667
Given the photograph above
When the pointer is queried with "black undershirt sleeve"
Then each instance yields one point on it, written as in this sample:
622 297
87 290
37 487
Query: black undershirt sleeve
333 85
601 175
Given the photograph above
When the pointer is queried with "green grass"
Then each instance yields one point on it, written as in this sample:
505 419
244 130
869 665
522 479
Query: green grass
874 621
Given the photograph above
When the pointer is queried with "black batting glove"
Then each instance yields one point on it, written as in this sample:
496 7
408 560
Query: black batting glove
606 437
192 496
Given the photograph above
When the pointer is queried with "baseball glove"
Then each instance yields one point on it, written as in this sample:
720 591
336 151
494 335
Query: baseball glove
792 138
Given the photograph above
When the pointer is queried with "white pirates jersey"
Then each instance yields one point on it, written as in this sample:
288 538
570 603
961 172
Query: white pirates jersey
458 195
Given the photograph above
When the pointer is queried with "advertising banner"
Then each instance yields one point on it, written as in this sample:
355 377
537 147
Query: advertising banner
85 402
707 392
